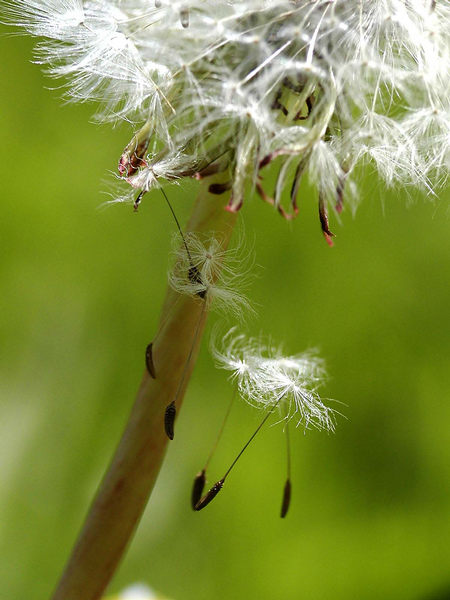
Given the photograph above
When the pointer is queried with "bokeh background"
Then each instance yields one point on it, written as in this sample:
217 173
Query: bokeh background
80 294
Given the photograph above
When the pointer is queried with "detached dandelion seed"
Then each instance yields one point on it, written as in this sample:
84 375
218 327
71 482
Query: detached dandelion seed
267 379
203 270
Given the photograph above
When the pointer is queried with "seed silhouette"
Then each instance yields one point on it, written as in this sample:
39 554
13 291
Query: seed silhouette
195 277
210 495
169 419
197 488
286 498
219 188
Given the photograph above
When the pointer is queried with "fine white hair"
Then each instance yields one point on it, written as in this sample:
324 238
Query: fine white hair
314 86
267 379
204 269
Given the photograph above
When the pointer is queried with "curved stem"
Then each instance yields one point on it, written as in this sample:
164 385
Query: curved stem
131 476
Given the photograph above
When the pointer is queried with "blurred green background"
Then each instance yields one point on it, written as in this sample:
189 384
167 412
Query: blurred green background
80 295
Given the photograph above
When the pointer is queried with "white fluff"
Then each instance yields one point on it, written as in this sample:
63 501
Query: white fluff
267 379
328 83
203 268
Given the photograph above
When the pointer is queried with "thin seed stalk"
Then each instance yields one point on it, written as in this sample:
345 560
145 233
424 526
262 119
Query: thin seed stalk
126 487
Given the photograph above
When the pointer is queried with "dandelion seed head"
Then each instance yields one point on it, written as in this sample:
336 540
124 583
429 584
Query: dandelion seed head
322 85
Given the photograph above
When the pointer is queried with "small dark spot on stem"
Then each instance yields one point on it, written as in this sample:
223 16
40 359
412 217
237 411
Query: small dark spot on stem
169 420
197 488
286 498
149 361
210 495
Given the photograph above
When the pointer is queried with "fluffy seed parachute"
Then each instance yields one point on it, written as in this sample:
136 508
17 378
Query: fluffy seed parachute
267 379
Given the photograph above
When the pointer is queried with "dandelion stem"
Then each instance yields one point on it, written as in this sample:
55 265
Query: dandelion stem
126 487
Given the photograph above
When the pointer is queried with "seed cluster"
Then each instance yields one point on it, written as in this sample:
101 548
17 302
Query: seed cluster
315 87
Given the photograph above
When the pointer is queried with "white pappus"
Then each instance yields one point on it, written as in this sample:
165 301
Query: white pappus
267 379
315 86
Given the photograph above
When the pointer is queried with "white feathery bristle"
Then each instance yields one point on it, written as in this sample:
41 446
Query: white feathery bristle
267 379
204 269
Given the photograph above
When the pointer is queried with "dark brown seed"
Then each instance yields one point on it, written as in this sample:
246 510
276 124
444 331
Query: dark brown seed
197 488
209 496
149 361
286 498
219 188
138 201
169 419
194 275
265 161
196 278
